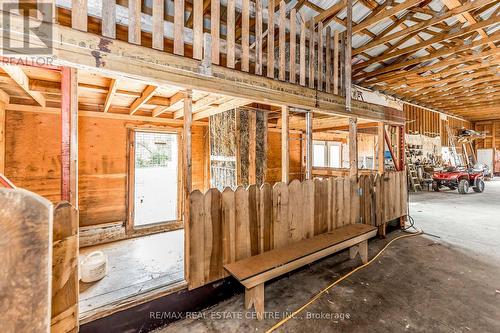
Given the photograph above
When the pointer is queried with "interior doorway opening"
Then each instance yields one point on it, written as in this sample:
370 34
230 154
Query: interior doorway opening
156 178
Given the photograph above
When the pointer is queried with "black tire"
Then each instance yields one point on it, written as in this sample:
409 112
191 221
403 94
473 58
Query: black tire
463 186
479 188
435 186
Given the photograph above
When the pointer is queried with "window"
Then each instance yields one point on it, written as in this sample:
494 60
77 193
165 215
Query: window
327 154
334 156
319 155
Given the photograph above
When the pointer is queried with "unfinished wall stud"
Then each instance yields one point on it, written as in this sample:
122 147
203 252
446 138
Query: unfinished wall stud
285 151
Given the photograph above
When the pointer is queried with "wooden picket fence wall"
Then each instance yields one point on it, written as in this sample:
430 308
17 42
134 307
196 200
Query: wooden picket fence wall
65 287
235 224
307 53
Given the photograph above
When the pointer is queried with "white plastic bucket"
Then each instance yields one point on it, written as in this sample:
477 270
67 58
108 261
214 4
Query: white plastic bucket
94 267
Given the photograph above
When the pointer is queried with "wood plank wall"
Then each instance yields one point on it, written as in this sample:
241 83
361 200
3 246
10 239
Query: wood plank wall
492 130
232 225
102 161
225 31
423 121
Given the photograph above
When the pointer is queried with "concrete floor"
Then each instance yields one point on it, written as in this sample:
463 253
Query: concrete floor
419 284
135 266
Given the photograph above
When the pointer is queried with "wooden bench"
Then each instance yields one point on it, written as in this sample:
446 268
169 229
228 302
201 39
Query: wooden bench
254 271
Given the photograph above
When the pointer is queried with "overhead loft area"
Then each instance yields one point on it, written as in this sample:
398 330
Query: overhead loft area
208 54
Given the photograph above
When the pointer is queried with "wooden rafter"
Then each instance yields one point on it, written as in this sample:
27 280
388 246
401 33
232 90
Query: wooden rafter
384 15
327 13
437 39
424 24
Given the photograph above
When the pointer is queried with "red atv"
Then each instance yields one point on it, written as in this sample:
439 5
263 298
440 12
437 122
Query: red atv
459 177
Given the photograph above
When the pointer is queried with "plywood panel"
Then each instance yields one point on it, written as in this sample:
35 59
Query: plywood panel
273 172
28 163
102 161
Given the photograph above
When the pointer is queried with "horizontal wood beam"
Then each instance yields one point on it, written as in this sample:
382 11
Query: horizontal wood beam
96 114
233 104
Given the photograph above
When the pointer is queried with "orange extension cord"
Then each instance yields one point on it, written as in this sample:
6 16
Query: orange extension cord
318 295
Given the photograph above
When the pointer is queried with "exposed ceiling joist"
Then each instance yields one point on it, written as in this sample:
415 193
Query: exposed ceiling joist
16 73
146 95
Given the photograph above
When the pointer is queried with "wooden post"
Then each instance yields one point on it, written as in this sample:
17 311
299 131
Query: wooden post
380 147
215 29
312 44
353 146
186 167
108 19
197 29
320 56
282 41
353 130
328 63
293 45
302 54
258 37
245 36
179 27
309 144
4 101
270 39
336 63
158 21
69 135
285 153
134 27
230 37
79 15
401 144
347 54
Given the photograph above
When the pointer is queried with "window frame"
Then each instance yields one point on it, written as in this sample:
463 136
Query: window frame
327 144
